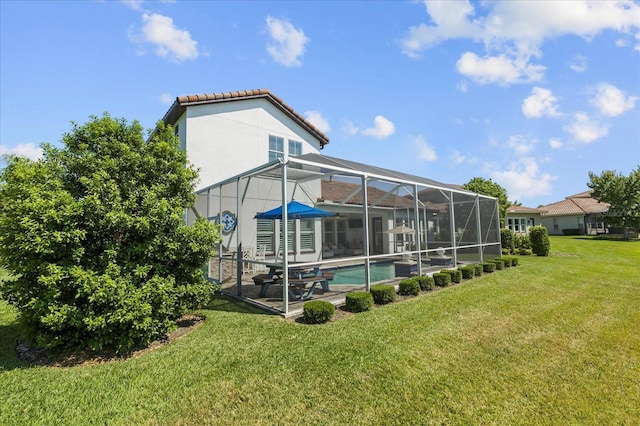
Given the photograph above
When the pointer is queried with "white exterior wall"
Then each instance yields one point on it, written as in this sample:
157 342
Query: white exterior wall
229 138
564 222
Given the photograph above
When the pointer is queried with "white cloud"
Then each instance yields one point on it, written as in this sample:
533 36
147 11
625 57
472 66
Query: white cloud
578 63
166 98
463 86
29 150
424 150
382 128
612 101
287 44
514 31
133 4
499 69
170 42
541 103
318 120
637 46
350 129
523 179
456 157
555 143
520 145
585 130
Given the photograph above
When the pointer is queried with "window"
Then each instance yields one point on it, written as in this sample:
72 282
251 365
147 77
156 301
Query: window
555 224
276 147
295 148
265 234
518 224
307 235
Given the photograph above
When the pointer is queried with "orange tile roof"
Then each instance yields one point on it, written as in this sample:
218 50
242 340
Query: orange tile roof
337 192
522 209
182 102
578 204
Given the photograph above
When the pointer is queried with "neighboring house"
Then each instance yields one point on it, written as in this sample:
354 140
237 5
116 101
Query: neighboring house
576 214
519 218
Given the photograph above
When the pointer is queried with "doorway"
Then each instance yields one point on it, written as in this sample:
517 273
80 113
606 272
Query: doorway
377 245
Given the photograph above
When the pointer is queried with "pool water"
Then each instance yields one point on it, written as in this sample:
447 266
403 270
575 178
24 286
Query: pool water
355 274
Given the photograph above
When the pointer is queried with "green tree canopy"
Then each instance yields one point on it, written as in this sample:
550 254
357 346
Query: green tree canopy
488 187
94 235
623 195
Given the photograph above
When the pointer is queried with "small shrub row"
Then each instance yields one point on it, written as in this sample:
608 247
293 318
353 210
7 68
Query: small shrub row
383 293
441 279
359 301
409 287
318 311
456 275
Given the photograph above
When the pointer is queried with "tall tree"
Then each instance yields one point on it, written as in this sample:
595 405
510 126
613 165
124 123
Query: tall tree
623 195
95 236
488 187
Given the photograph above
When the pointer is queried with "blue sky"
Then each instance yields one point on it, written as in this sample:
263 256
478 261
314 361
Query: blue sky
533 95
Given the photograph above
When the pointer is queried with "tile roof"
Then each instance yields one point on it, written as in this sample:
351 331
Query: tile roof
522 209
338 191
578 204
182 102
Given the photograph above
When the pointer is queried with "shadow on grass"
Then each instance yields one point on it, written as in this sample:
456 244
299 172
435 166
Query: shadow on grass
229 304
607 238
9 335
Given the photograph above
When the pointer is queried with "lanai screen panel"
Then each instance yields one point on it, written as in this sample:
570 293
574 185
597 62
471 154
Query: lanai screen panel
466 219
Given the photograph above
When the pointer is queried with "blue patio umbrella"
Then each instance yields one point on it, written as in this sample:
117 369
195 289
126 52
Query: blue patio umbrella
295 210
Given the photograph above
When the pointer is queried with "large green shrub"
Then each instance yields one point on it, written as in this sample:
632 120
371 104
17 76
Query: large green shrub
94 236
467 272
358 301
456 275
441 279
540 244
508 240
318 311
522 241
426 282
409 287
383 293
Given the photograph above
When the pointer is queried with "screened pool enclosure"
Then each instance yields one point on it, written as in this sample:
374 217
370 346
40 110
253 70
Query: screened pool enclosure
395 222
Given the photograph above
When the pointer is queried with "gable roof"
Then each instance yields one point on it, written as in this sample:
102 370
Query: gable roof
578 204
181 103
338 192
524 210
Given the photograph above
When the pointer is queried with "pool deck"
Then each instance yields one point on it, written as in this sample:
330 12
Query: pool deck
272 301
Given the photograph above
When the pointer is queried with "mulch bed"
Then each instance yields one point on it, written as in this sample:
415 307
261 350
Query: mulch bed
83 357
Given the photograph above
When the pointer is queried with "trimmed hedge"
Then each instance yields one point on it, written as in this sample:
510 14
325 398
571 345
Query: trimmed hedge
515 261
525 252
488 267
467 272
426 282
441 279
359 301
506 260
409 287
499 263
478 269
318 311
383 293
456 276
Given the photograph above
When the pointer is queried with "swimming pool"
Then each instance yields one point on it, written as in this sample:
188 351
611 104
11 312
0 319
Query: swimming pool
355 274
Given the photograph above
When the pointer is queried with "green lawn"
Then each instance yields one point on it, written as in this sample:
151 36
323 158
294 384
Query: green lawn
553 341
